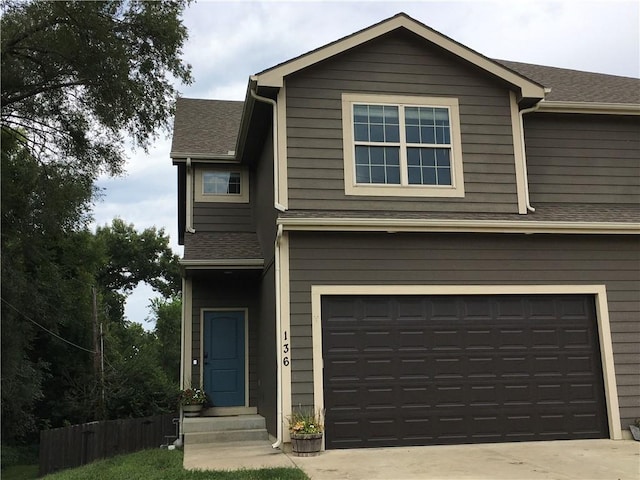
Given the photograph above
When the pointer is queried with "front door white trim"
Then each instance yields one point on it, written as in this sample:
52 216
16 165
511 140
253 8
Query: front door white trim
602 314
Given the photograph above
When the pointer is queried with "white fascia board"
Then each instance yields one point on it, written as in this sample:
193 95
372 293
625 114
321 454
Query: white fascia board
589 108
201 157
451 226
230 263
275 76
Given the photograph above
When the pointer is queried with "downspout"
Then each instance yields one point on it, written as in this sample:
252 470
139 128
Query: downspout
524 156
189 193
276 170
278 206
279 414
183 364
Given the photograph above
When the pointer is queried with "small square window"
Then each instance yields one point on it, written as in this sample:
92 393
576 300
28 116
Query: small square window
221 185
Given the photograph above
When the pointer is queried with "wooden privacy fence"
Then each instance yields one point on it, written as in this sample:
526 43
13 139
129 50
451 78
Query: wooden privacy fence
77 445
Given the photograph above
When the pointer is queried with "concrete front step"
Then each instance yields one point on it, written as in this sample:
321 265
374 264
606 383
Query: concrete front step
238 428
215 424
226 436
226 411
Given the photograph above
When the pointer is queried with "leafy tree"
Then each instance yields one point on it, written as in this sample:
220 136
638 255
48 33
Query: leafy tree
130 258
136 383
168 315
45 264
75 78
75 74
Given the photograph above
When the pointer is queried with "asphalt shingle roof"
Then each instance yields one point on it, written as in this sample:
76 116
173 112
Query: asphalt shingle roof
545 212
206 127
576 86
221 246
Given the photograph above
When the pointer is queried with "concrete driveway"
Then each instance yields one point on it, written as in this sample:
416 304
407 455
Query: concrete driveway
561 460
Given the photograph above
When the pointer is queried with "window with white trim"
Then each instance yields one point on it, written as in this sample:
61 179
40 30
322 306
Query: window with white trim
402 146
221 185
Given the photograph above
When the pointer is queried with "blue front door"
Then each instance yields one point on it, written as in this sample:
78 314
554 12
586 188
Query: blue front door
224 358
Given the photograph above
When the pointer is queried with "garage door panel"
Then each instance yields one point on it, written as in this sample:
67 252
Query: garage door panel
490 374
477 308
577 338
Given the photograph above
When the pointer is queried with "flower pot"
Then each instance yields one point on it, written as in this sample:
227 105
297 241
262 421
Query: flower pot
635 432
306 444
192 410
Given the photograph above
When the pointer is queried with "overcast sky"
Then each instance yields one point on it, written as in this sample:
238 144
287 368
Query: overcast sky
228 41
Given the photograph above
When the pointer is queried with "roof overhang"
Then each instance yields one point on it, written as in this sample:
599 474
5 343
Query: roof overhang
224 264
456 226
180 158
274 77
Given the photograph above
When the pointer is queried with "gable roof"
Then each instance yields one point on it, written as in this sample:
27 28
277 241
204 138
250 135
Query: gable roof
205 128
196 119
209 129
274 76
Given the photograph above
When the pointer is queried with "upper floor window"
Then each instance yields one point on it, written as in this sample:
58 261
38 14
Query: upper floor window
221 185
402 146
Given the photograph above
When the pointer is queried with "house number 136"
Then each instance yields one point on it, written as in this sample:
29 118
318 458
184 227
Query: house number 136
285 350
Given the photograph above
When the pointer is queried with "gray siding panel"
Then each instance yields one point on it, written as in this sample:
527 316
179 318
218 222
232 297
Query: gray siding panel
222 217
264 214
267 352
583 159
436 259
397 64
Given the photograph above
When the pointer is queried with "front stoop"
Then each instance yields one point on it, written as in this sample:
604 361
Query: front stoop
238 428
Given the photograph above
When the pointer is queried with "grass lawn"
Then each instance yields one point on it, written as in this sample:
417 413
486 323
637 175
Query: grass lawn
20 472
164 465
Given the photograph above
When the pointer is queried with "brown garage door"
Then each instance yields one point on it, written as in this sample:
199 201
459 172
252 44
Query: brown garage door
415 370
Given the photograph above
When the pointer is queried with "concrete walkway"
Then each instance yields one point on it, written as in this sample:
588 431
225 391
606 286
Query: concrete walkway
561 460
233 456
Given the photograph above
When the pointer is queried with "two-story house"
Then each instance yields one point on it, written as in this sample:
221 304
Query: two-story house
431 245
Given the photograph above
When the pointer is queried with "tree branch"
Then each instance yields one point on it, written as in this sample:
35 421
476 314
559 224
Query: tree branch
8 100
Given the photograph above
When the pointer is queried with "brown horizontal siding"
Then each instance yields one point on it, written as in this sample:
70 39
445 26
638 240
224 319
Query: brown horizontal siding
222 217
433 259
397 64
583 159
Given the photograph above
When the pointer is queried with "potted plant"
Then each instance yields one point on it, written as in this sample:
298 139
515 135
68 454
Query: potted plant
306 427
635 429
192 401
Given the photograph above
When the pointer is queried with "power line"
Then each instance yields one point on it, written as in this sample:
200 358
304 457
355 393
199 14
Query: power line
46 329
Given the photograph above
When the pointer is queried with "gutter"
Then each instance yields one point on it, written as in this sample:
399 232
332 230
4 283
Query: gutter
276 172
279 414
392 225
593 108
189 192
223 264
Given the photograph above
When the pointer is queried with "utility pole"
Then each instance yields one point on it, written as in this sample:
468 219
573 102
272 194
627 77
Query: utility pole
98 353
96 333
